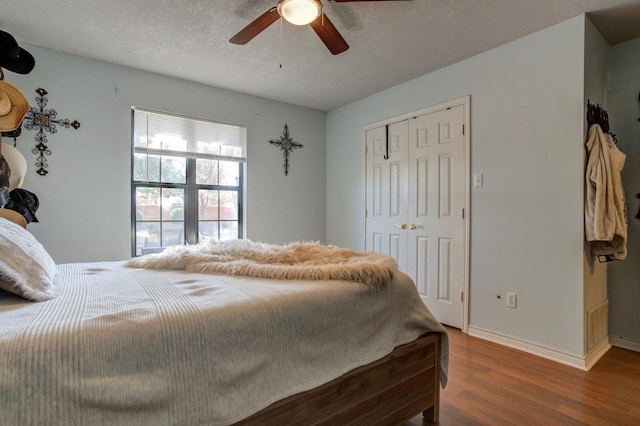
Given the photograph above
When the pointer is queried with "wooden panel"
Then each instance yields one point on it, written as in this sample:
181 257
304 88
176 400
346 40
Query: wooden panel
377 242
422 265
597 324
445 132
445 248
444 193
394 246
423 137
422 187
394 143
377 190
371 411
400 385
379 147
395 191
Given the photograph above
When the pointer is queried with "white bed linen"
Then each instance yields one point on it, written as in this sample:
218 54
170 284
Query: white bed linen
123 346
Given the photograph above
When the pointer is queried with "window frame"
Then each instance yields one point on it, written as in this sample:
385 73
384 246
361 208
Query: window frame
191 187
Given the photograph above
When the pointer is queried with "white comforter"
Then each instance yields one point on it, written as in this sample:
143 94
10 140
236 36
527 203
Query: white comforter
141 347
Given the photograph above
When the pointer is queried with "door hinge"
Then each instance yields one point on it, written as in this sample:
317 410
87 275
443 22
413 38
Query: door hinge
462 297
463 129
463 213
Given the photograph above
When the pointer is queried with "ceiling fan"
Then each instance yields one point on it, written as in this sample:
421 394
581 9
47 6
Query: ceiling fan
299 12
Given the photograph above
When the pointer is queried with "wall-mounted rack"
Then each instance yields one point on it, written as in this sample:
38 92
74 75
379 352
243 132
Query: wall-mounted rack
596 114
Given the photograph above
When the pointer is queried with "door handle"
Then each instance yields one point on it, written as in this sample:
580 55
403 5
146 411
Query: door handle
413 226
401 226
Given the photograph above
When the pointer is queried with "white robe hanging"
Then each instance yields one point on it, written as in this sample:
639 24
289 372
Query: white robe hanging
605 208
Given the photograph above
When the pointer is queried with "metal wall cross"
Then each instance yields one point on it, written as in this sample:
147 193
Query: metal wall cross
44 120
286 145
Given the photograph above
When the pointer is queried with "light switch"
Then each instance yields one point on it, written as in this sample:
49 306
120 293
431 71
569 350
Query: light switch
477 179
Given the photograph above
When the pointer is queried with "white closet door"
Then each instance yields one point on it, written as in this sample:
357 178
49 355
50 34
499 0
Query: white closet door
437 194
387 192
415 202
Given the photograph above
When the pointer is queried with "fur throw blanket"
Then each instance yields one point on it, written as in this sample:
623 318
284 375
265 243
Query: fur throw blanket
303 261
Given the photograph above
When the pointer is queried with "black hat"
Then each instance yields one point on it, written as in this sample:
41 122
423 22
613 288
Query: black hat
25 203
13 57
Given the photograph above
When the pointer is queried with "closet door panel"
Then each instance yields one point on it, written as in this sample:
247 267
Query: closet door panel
436 142
386 193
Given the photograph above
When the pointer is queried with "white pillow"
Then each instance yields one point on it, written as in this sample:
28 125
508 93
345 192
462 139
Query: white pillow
26 269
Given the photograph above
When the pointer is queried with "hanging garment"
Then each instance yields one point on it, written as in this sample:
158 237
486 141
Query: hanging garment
605 208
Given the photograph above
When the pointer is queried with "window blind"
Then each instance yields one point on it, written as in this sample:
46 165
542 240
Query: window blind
165 134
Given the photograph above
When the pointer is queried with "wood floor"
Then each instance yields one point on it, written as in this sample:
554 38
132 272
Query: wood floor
490 384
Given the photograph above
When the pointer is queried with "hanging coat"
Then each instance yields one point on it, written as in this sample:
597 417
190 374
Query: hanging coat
605 208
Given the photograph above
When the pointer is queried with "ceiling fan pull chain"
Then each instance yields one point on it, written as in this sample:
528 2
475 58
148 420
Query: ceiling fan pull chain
281 48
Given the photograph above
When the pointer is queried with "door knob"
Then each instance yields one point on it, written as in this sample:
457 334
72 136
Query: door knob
413 226
401 226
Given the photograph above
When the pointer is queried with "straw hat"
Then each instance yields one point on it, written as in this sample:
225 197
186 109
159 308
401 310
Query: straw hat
14 217
13 107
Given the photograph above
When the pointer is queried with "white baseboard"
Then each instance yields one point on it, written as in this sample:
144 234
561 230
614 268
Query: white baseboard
576 361
624 343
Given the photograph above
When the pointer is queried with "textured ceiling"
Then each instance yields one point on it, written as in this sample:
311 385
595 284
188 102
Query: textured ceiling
391 42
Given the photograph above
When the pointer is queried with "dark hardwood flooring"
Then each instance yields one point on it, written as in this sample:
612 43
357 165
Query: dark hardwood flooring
491 384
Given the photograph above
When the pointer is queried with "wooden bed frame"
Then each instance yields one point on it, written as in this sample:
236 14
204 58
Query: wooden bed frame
388 391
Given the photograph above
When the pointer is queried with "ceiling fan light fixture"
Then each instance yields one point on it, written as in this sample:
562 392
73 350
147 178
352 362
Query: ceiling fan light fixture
299 12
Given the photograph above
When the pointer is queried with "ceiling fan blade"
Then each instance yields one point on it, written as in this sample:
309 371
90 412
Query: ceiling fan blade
256 27
329 35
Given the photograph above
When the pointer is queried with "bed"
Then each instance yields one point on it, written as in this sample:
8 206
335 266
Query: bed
120 345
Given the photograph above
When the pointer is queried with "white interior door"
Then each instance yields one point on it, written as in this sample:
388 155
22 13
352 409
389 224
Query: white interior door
436 218
416 193
387 191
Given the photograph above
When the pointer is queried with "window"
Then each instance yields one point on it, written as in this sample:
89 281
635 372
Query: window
187 181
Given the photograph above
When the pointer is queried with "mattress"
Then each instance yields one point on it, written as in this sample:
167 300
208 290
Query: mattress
122 346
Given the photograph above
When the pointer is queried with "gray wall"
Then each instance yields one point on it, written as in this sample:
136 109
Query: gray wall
85 199
596 51
624 111
527 104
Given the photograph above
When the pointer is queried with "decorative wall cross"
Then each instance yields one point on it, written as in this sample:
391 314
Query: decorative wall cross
44 120
286 145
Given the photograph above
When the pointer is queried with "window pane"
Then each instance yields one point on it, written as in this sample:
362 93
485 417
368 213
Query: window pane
147 203
207 204
140 167
153 168
172 204
228 205
174 169
207 231
228 230
229 173
206 171
172 233
147 235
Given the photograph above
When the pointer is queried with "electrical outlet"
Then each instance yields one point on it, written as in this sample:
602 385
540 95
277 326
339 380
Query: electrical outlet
511 300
